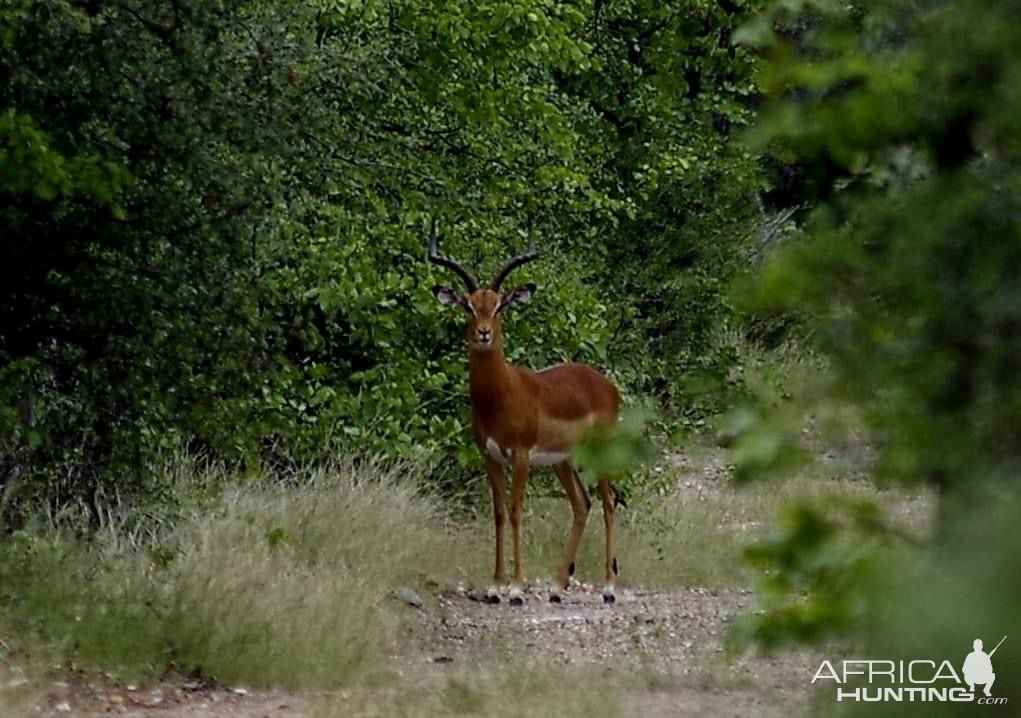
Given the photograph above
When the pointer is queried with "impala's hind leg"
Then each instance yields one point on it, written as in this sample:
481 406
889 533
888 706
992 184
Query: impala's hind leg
580 505
612 569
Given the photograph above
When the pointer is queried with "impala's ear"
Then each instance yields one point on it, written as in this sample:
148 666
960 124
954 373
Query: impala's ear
446 295
521 295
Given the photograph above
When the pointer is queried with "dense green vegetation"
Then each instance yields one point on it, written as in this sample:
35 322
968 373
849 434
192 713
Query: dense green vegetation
213 217
214 213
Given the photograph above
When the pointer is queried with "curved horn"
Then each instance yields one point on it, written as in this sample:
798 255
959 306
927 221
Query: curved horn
531 255
436 258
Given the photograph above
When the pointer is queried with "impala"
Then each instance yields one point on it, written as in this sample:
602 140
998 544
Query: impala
522 418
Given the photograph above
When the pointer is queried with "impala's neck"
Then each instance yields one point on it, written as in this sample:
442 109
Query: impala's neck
488 374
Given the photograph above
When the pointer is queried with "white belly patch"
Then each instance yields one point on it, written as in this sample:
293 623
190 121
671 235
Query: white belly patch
535 457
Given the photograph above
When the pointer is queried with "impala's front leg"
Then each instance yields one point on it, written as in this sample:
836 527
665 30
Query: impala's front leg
498 485
519 483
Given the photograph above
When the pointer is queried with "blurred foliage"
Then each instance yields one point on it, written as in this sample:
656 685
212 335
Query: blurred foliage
959 591
903 119
612 450
818 569
212 218
617 451
763 442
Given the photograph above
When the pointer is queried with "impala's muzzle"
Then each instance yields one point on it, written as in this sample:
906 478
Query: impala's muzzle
484 336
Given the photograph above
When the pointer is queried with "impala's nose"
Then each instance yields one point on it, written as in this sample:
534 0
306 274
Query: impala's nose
484 335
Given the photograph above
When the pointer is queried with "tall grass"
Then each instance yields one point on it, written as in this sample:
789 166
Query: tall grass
288 582
689 528
266 583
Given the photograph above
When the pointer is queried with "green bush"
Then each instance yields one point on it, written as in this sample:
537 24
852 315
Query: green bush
213 219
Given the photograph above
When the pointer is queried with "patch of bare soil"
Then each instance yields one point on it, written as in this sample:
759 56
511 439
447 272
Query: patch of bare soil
669 628
92 697
162 700
663 649
659 652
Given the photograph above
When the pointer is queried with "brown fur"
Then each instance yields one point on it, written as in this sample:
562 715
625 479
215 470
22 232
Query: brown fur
526 412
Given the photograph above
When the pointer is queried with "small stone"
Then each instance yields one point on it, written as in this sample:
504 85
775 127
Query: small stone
64 707
409 597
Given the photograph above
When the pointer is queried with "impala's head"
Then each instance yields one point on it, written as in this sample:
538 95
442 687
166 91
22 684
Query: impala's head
483 305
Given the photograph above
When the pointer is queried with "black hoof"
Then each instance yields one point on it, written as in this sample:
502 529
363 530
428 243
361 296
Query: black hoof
609 598
492 599
517 601
554 598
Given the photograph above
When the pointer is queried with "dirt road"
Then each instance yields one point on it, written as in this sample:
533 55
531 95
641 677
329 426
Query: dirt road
652 653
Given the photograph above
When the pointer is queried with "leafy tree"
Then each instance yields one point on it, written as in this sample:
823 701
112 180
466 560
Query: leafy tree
906 116
674 92
214 216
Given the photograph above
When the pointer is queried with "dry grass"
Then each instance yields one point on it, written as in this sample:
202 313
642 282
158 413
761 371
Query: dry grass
267 583
289 585
263 584
694 533
499 689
